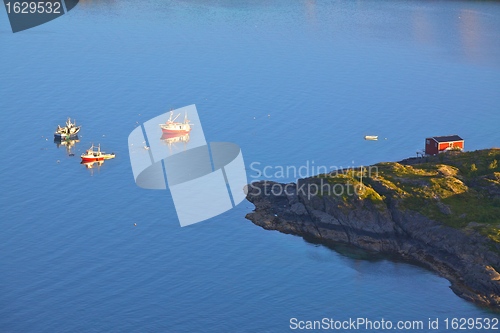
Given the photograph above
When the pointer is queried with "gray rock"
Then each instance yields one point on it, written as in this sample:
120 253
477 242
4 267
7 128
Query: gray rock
445 209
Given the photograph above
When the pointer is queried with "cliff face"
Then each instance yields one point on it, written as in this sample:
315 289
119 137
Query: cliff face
381 219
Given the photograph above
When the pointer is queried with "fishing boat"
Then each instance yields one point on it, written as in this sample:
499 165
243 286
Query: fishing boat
173 127
70 131
95 154
371 137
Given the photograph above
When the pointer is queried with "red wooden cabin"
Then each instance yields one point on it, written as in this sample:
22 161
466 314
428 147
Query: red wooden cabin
439 144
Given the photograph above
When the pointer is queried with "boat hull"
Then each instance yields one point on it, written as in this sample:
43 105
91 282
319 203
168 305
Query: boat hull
86 159
92 159
62 137
175 132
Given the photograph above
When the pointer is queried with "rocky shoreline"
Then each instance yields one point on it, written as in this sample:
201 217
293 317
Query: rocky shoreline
468 259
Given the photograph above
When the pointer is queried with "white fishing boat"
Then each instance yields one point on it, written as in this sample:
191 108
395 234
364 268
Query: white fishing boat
70 131
173 127
371 137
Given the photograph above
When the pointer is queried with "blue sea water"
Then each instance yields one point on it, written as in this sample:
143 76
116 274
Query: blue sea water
293 83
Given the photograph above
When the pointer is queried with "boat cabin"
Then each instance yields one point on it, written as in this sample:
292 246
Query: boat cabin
439 144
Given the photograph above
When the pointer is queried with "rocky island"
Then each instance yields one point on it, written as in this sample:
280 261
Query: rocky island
441 211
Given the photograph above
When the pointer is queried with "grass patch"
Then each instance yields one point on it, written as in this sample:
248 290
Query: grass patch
454 189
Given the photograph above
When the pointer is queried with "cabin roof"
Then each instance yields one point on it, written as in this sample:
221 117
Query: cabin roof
447 138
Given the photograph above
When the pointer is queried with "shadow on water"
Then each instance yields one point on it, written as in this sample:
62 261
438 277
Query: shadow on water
350 251
354 253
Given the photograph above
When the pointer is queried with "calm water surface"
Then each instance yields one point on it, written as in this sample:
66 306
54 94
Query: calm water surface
290 82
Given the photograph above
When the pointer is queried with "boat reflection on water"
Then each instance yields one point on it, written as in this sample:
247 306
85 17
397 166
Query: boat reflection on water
171 140
92 165
69 144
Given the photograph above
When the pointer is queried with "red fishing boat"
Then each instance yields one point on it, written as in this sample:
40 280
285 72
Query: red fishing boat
95 154
173 127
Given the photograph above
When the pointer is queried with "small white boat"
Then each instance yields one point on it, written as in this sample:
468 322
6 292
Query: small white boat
371 137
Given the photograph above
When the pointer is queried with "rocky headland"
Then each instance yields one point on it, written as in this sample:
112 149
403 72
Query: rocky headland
442 212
